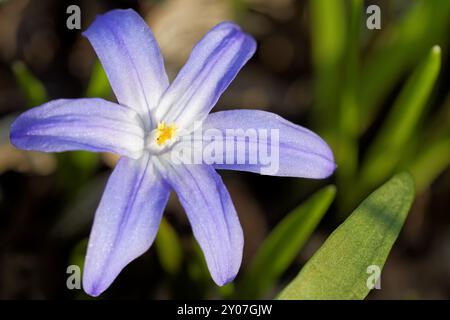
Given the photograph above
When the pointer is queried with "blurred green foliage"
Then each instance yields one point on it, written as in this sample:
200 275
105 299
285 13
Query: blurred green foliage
98 86
347 148
328 33
33 90
282 245
400 48
392 140
168 247
430 162
352 88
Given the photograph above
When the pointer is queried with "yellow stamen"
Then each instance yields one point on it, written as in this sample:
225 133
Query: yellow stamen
164 132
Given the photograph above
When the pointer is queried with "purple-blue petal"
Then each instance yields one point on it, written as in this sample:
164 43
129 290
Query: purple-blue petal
126 221
301 152
79 124
212 216
212 65
131 58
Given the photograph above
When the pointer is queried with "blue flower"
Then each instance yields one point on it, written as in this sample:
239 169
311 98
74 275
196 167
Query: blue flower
143 127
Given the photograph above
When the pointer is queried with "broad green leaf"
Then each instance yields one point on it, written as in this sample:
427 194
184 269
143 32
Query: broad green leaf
98 86
168 247
402 121
400 48
284 243
32 87
342 267
328 42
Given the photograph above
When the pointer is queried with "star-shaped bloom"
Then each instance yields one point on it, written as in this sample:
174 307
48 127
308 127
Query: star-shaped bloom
144 127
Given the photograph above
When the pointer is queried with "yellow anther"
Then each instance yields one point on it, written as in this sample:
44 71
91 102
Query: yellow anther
164 132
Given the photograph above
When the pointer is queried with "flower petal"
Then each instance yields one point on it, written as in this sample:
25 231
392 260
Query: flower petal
131 58
212 65
211 213
126 222
281 148
79 124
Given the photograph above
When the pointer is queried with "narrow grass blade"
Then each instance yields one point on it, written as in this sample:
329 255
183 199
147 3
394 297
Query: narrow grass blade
328 42
425 24
284 243
346 152
402 122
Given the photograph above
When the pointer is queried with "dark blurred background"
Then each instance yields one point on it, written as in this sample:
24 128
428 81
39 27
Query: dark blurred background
47 201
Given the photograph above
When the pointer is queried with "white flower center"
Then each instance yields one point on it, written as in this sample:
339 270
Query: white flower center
162 137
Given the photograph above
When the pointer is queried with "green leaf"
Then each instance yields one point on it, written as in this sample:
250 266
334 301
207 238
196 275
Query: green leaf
98 86
32 87
400 47
346 151
327 43
284 243
340 268
168 247
402 121
349 103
